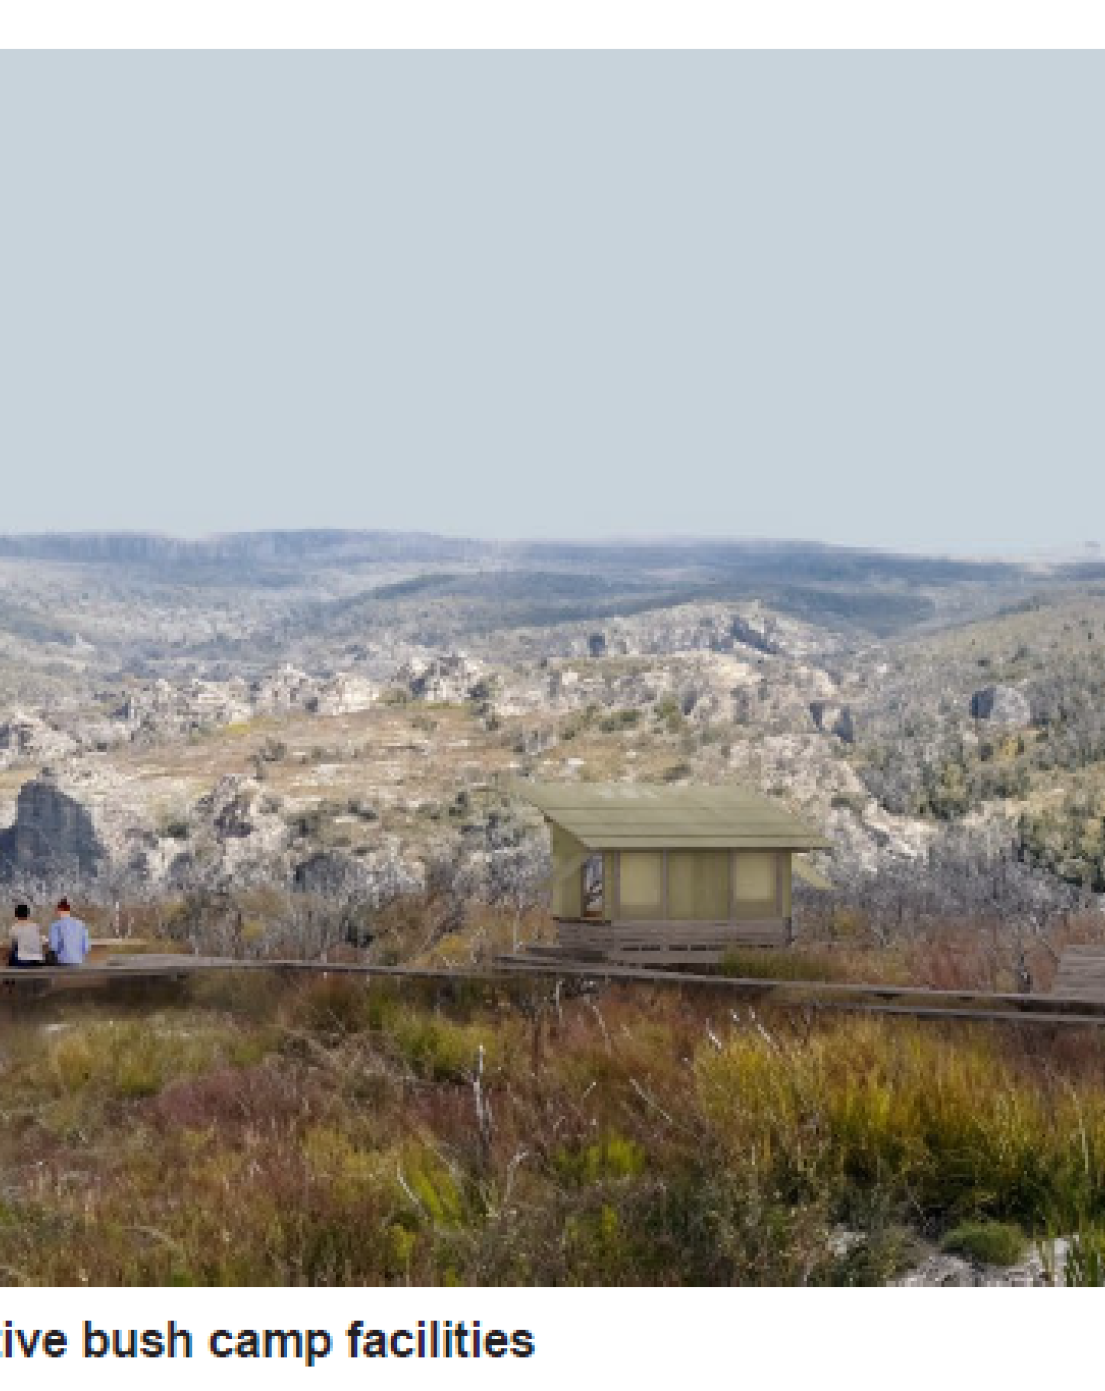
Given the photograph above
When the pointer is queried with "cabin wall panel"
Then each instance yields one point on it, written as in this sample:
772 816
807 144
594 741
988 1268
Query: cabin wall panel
569 855
641 884
756 884
698 885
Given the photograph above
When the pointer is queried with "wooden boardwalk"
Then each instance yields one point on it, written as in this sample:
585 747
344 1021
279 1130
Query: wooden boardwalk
919 1001
1081 974
1067 1006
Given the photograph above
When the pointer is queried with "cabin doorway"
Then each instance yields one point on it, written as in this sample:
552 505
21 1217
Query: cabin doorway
593 895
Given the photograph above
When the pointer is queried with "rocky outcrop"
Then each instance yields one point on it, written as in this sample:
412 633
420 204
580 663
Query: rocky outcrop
942 1269
25 736
330 874
444 679
83 820
833 718
229 807
89 823
282 690
760 633
162 710
1003 705
52 834
344 694
235 838
560 682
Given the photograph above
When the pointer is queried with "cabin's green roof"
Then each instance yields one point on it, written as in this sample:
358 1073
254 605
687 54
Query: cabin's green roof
636 816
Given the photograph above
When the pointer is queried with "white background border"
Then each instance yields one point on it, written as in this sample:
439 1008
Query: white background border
620 1340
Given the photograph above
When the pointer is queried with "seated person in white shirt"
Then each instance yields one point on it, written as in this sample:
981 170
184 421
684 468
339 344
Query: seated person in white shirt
26 940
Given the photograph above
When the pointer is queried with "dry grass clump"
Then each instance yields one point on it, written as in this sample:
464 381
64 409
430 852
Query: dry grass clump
333 1132
816 962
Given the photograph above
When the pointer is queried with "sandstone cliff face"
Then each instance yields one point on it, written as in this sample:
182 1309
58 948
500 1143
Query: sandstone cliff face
85 823
52 833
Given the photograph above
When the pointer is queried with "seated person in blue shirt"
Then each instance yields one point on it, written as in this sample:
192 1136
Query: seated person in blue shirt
68 937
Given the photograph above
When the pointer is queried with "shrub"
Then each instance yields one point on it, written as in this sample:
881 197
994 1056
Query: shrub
618 720
332 1006
436 1047
669 713
991 1243
612 1157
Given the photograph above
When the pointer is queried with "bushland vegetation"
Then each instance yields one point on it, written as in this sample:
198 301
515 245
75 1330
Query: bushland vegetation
920 753
333 1131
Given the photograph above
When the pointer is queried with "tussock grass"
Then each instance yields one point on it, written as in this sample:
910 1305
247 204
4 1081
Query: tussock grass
993 1243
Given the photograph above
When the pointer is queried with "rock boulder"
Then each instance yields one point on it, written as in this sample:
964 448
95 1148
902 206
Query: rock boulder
1003 705
833 718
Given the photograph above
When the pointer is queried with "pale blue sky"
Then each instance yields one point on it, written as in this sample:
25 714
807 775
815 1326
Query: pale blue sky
855 298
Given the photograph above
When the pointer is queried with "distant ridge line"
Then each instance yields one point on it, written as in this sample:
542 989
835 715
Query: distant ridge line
717 559
138 547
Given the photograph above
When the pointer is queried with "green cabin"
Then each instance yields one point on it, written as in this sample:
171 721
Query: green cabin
653 873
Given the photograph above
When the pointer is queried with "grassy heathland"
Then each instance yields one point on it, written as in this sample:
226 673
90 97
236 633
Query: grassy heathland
336 1132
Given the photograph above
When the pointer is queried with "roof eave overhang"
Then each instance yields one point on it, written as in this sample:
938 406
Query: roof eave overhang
791 844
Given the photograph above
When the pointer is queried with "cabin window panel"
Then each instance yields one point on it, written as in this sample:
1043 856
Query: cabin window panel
698 885
756 884
593 889
641 884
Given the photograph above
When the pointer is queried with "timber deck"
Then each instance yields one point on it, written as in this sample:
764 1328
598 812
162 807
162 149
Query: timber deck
1065 1007
667 942
1081 974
